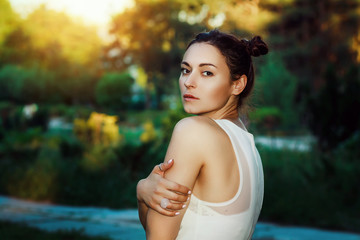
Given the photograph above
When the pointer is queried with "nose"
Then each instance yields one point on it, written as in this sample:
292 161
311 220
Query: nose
190 81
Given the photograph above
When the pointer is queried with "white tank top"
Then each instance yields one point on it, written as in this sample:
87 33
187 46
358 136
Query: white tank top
236 218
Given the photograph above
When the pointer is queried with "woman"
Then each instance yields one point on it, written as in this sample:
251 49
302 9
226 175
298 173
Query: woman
215 157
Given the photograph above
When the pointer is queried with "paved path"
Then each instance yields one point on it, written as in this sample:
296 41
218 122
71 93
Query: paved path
125 225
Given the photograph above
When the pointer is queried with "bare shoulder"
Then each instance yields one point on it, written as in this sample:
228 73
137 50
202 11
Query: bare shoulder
197 127
198 136
193 141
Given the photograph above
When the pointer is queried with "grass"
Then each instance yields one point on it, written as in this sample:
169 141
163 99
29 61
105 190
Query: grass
19 231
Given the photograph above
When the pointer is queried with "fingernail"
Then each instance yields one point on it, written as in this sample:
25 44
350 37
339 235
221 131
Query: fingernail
177 213
188 199
189 192
183 206
170 161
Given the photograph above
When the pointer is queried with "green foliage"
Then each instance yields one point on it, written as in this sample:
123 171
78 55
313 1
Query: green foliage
314 37
275 88
68 60
266 118
16 231
39 161
67 112
23 85
98 158
136 118
333 117
113 90
153 38
58 167
73 42
170 121
13 118
8 21
309 188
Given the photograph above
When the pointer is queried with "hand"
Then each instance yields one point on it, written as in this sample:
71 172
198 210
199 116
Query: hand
155 187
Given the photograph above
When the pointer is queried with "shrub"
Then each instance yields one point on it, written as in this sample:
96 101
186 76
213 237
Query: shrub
114 90
276 87
266 118
98 129
312 188
24 85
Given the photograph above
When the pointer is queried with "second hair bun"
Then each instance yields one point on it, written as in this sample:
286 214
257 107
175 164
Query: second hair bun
256 47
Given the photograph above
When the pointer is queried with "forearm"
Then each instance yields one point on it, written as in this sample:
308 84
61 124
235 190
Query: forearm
142 207
151 190
143 210
160 227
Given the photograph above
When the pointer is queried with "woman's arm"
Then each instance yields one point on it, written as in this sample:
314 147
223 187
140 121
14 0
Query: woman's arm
155 187
187 146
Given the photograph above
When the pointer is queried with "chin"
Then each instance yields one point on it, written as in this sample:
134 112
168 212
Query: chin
190 111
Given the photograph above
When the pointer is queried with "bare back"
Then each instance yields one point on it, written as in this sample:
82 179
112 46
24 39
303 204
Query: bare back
228 192
218 180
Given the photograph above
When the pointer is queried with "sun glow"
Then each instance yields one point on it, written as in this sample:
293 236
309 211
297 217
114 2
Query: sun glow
98 12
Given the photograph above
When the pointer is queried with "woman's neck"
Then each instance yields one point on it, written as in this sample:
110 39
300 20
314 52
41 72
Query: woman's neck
230 113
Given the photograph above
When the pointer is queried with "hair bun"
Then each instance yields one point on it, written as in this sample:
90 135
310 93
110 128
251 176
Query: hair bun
256 47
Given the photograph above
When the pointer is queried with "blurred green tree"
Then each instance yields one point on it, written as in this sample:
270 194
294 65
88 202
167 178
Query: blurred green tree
23 85
114 90
275 88
151 36
315 36
16 48
69 49
8 21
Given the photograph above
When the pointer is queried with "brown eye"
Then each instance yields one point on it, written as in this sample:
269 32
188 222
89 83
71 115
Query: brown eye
184 71
207 73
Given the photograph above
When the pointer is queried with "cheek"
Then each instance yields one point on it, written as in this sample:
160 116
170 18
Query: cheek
218 92
181 85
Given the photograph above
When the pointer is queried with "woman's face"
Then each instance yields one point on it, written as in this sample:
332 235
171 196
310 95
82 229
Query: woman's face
205 82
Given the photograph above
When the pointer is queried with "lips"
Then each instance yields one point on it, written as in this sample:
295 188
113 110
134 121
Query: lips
189 97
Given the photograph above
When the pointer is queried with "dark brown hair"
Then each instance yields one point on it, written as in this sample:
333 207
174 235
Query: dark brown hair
238 53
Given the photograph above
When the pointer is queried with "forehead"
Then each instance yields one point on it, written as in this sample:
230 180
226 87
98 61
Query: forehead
204 53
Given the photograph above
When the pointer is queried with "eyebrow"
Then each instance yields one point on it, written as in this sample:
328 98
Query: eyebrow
201 64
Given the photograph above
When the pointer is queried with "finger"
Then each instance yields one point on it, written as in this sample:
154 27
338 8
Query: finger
162 167
157 170
177 188
175 206
175 197
165 212
167 165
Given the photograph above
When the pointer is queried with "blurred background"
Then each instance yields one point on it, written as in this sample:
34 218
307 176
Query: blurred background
89 97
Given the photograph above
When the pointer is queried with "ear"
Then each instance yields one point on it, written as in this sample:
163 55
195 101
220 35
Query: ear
239 85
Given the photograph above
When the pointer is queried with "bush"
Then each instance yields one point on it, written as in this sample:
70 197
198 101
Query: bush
13 117
24 85
266 118
275 88
331 114
114 90
59 167
310 188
